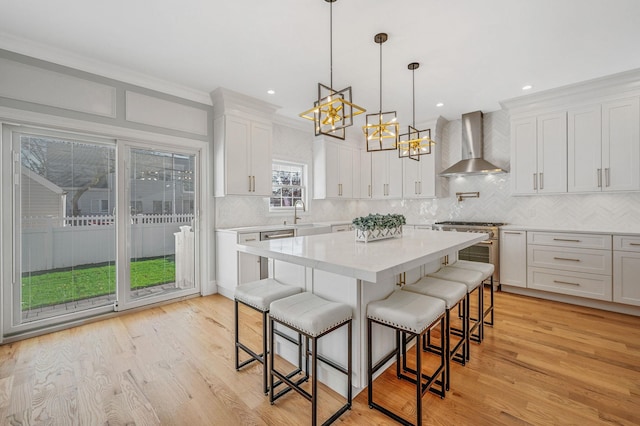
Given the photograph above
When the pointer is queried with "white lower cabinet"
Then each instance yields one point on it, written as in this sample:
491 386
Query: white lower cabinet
513 258
568 263
626 270
248 264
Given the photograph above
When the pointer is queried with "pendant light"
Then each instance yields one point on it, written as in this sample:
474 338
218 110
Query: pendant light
333 112
381 131
415 142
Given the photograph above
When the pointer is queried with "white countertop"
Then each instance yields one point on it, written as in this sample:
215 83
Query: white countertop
610 230
373 261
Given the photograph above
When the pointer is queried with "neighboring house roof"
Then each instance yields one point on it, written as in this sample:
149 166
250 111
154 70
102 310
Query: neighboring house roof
42 181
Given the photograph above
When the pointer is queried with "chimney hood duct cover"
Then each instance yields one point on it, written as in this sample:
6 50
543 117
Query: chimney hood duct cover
472 162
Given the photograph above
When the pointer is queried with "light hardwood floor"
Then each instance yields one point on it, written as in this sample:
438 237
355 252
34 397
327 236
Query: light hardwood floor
544 363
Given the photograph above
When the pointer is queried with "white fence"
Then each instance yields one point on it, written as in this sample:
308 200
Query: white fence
53 242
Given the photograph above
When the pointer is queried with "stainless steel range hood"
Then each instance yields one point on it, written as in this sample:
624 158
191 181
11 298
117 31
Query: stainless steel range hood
472 162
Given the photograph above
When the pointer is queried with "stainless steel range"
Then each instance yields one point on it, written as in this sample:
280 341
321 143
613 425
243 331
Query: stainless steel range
487 251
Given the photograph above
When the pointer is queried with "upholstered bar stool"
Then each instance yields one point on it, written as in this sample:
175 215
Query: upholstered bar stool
486 269
473 281
313 317
454 294
258 295
414 315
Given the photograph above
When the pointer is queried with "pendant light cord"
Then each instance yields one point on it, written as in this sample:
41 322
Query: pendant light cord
331 45
413 91
380 78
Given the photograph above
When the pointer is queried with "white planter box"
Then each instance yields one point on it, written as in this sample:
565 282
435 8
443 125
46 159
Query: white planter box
378 234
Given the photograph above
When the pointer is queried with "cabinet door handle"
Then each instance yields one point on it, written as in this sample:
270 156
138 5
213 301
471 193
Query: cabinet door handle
415 187
513 232
249 183
565 282
369 189
566 240
535 181
606 177
566 258
420 187
599 174
541 180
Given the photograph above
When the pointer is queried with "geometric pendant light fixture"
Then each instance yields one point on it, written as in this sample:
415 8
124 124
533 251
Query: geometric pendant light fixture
333 111
381 130
415 142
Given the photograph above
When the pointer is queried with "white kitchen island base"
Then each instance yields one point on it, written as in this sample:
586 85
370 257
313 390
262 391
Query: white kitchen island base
337 268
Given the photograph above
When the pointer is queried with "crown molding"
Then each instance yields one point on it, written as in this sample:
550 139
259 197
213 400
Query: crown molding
586 91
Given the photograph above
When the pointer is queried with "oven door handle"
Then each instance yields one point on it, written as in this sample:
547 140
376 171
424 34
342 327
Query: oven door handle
486 242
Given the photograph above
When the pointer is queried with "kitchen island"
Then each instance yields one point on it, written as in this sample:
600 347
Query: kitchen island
338 268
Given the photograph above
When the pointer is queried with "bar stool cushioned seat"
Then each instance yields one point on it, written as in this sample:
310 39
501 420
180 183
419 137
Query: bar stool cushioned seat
258 295
313 317
452 293
413 314
486 269
309 313
473 281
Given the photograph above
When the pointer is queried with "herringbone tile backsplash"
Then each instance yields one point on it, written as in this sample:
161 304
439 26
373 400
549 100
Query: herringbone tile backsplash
571 211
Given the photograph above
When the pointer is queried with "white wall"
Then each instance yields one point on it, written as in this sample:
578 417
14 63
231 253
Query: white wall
590 211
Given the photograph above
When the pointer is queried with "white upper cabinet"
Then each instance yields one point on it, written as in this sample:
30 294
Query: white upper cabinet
364 183
333 170
419 177
386 175
584 148
242 138
621 145
539 154
242 156
579 138
604 147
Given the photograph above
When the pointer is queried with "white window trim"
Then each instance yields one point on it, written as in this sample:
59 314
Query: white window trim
304 184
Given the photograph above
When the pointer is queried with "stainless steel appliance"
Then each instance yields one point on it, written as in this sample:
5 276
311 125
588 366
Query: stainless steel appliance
487 251
272 235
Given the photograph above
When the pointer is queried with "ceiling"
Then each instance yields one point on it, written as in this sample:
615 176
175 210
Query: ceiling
472 53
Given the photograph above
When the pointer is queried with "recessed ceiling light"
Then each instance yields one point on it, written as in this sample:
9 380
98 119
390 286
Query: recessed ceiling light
439 104
527 87
271 92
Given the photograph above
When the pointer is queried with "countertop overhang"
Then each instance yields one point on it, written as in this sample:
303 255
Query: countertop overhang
374 261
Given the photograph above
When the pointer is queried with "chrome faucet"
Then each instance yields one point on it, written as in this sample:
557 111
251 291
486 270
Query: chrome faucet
295 210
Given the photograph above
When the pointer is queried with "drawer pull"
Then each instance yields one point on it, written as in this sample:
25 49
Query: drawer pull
249 239
566 258
517 233
634 244
565 282
565 240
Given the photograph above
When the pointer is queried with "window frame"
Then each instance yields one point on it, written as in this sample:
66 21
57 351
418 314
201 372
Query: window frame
303 184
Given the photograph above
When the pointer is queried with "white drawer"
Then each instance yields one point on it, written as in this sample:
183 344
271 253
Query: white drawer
570 259
562 239
248 238
340 228
626 243
572 283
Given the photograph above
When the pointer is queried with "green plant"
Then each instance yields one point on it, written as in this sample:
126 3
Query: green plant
378 221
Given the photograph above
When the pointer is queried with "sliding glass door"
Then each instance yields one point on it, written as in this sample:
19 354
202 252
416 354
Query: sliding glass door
96 225
160 189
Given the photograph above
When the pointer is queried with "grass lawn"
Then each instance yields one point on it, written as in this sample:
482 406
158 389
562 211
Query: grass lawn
59 286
